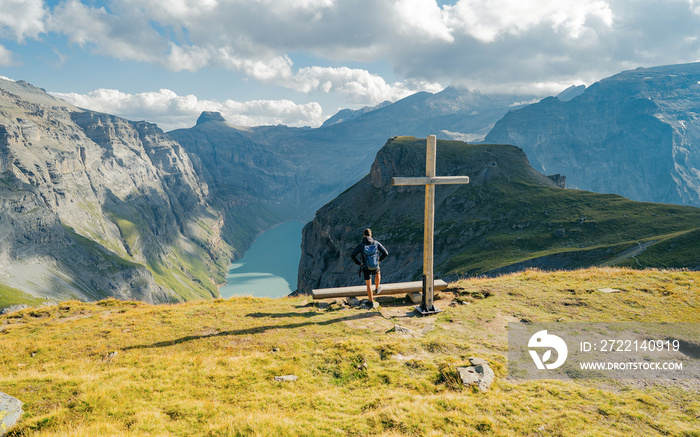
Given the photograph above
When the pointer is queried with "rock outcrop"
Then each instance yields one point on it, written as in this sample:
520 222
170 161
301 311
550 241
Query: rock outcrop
479 374
396 213
271 174
10 412
505 219
92 205
636 134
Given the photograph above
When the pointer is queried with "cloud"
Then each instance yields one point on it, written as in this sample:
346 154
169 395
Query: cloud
6 57
171 111
486 20
357 86
127 35
422 17
515 46
325 46
22 18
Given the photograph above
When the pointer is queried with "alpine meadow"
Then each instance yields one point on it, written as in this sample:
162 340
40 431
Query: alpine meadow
117 236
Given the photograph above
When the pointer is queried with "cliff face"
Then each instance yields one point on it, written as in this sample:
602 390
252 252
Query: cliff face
254 186
396 213
508 218
636 134
92 205
265 175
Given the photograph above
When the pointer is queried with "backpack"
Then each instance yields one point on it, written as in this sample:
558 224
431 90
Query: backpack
371 255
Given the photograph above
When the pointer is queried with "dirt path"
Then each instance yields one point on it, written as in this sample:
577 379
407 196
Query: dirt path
629 253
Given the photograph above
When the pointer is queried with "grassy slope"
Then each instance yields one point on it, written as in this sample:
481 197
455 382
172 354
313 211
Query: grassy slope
11 296
188 272
597 227
514 218
207 368
508 216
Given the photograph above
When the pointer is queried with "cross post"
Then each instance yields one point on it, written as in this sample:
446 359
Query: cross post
430 180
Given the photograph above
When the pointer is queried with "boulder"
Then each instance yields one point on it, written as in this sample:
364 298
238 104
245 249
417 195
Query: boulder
367 305
286 378
401 330
479 374
10 412
13 308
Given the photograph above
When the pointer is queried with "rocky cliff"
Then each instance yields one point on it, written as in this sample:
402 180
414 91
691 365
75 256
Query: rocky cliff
636 134
269 174
92 205
509 217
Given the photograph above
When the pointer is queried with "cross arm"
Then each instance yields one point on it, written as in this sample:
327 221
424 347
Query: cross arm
437 180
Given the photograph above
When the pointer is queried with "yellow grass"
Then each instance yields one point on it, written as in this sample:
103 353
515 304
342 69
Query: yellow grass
207 368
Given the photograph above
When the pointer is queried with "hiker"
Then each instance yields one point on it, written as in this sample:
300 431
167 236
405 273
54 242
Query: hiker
372 254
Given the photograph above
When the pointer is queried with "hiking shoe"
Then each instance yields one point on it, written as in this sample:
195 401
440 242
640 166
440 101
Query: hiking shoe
378 290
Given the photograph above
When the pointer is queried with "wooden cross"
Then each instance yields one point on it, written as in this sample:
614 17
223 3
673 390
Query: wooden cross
430 180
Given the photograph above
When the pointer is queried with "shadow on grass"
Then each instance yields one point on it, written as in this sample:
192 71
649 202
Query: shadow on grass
278 315
256 330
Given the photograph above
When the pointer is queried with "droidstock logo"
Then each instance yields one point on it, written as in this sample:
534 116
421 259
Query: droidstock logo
543 340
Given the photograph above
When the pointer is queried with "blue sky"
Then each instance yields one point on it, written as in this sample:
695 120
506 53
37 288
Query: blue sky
297 62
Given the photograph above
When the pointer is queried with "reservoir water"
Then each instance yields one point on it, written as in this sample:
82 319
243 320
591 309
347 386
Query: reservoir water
269 268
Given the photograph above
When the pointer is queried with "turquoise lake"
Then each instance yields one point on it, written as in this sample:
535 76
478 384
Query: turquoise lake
270 267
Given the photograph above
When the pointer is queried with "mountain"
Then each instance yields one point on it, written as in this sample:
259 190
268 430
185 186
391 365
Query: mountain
269 174
247 182
571 92
453 113
349 114
92 205
508 218
636 134
224 367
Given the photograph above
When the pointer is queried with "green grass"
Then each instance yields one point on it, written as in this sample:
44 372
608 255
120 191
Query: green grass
207 368
12 296
681 248
99 250
185 273
597 227
507 217
129 231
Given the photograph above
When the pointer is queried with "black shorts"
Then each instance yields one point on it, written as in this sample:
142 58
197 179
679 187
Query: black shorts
367 272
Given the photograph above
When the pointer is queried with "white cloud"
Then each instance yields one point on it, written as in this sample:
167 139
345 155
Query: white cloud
694 6
423 17
22 18
321 46
171 111
259 38
486 20
357 86
6 57
129 35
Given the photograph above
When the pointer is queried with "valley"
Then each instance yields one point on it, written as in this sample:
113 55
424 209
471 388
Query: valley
97 206
119 368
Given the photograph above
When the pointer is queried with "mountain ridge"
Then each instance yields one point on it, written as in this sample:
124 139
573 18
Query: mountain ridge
635 134
510 217
169 210
93 205
315 165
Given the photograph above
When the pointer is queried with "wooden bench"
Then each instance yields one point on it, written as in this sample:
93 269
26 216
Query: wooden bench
386 289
